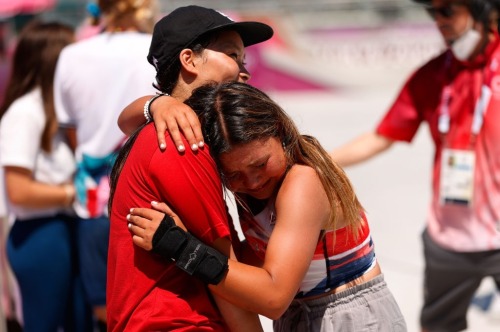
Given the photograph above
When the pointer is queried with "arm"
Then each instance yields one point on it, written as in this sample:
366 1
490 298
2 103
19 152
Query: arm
361 149
24 191
168 114
237 319
302 209
190 183
132 116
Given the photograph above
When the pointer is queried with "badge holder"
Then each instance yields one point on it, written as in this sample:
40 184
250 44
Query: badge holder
457 177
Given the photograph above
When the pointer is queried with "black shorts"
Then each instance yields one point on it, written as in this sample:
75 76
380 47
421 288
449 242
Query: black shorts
450 281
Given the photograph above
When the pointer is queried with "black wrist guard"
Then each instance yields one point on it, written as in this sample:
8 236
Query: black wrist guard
190 254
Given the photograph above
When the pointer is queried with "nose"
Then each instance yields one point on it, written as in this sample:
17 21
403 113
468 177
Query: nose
252 182
244 75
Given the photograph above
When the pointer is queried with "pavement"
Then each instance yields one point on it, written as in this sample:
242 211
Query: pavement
394 189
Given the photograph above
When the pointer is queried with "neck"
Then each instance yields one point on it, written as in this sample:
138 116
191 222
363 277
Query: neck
181 92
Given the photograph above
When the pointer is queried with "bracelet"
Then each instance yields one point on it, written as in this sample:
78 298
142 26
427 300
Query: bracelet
147 106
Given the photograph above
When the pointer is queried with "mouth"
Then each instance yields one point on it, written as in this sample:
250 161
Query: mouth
259 189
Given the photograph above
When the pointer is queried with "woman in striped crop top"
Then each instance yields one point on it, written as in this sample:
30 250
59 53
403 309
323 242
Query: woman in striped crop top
310 263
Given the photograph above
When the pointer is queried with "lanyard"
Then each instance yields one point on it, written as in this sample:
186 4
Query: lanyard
479 109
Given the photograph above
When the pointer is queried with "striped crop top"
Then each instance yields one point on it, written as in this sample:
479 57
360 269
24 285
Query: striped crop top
331 266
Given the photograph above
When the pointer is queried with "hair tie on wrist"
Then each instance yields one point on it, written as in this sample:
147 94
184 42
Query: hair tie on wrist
147 106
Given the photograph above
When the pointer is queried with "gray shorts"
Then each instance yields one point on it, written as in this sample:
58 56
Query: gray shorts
366 307
450 281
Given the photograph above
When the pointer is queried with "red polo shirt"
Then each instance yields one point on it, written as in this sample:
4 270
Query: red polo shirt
460 228
144 292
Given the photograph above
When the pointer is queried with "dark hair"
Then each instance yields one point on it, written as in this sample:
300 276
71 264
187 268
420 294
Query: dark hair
485 11
33 65
235 113
167 80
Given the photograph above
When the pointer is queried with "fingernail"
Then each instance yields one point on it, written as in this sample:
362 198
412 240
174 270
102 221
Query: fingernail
131 210
201 144
194 147
163 146
154 202
128 216
181 148
129 225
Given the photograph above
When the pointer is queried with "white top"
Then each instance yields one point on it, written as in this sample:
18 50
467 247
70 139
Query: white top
95 79
21 130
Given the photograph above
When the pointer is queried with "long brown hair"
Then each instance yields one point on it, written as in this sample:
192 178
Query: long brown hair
33 65
237 113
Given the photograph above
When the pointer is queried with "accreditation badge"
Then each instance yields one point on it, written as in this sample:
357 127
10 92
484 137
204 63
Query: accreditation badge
457 177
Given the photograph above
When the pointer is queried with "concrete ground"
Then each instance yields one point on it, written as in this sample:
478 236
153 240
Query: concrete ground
394 189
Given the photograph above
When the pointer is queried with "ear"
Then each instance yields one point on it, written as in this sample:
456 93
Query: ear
189 60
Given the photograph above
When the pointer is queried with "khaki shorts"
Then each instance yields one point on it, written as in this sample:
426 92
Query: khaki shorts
366 307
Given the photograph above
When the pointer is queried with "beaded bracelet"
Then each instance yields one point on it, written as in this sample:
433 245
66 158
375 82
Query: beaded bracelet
147 106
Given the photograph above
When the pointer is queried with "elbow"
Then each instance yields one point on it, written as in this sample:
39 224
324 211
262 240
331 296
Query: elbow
274 313
122 124
276 307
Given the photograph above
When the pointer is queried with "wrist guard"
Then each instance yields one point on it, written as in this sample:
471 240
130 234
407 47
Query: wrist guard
190 254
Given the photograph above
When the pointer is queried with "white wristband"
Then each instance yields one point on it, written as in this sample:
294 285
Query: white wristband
147 106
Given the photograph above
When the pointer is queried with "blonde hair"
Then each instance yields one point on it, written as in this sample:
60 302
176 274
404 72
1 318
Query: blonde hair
140 14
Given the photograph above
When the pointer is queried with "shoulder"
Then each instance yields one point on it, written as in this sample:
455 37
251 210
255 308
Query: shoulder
432 67
300 173
302 198
170 160
28 108
81 48
300 182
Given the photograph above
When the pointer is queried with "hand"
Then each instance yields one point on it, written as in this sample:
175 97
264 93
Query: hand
175 116
143 223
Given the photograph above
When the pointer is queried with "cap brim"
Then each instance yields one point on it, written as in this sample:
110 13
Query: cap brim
251 33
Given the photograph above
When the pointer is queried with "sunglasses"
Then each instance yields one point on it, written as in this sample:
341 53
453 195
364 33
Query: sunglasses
446 11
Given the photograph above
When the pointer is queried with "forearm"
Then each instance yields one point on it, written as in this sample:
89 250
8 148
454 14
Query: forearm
360 149
254 289
236 318
23 191
132 116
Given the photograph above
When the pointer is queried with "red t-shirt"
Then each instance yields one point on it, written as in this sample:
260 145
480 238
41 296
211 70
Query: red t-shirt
145 292
460 228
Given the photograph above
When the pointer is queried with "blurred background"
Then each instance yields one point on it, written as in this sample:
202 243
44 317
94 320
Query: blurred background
335 66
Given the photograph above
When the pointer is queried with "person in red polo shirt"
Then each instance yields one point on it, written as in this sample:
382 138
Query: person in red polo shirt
458 94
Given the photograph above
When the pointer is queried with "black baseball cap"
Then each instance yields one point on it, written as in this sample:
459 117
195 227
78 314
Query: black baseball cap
184 25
